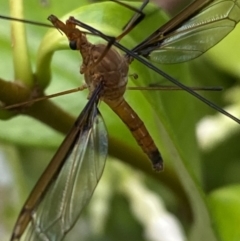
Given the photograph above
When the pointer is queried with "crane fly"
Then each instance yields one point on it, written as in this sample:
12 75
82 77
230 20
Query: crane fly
79 162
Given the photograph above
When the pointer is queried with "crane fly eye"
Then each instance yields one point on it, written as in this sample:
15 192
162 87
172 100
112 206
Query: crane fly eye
73 45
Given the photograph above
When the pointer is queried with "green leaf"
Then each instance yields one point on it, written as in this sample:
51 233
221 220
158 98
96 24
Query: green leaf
225 209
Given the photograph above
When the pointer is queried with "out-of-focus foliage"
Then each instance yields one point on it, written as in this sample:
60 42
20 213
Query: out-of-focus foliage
197 184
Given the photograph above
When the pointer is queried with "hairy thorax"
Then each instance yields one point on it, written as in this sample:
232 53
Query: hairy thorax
112 71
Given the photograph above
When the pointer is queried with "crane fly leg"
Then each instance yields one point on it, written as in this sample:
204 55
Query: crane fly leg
135 20
45 97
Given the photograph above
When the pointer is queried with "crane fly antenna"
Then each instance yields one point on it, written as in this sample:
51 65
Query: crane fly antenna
26 21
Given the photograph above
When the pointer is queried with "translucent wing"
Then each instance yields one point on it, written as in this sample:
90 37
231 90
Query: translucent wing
198 34
74 186
68 182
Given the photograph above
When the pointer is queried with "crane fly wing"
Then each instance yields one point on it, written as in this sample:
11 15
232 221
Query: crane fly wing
198 34
75 184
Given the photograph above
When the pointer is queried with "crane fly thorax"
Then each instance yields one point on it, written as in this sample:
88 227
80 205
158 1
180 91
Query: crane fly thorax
112 71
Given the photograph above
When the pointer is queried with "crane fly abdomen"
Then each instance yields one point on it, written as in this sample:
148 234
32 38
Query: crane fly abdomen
139 131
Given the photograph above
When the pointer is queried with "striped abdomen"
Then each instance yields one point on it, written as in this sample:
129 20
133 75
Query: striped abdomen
139 131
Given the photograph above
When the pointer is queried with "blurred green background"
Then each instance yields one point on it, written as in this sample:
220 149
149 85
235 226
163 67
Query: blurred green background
198 192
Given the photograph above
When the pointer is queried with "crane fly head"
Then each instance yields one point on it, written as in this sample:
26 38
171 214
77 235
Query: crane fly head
75 36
